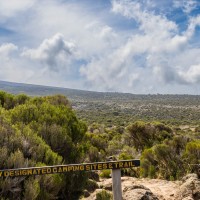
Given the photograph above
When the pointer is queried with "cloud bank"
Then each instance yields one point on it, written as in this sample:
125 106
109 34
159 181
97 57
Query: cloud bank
68 44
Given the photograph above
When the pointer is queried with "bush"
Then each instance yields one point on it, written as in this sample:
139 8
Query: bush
103 195
192 152
143 135
91 185
105 173
161 161
40 131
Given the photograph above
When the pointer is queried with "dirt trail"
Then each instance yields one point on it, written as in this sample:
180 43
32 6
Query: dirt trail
164 190
154 189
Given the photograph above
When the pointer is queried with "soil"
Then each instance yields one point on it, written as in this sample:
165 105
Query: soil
154 189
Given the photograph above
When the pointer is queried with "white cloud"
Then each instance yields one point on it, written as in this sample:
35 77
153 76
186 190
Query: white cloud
12 68
91 53
192 75
193 23
133 79
158 42
53 52
93 39
121 66
186 5
15 68
7 49
10 8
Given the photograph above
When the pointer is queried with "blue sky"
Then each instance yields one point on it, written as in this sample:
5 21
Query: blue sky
136 46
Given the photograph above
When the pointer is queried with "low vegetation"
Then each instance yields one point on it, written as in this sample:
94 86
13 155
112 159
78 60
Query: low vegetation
38 131
35 132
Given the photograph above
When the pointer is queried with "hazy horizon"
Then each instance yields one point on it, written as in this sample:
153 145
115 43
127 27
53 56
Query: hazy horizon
57 87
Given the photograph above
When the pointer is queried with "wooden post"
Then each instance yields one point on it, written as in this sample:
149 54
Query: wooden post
116 184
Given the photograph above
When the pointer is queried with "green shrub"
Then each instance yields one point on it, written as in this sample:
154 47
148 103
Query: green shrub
40 131
91 185
193 152
105 173
103 195
171 178
143 135
152 171
125 156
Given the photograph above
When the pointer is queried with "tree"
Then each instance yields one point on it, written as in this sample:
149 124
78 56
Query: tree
35 132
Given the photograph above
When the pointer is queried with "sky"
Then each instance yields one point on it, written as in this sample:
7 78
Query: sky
134 46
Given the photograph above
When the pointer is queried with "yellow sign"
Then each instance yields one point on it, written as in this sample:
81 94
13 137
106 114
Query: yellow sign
69 168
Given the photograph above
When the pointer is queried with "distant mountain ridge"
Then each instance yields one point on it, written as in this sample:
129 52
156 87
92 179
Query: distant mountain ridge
115 108
73 94
40 90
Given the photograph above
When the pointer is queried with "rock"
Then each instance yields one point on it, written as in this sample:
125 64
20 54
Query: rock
108 187
190 188
188 198
107 184
91 185
198 172
138 192
93 175
188 176
86 193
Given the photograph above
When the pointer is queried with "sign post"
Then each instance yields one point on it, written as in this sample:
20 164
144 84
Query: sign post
115 166
116 184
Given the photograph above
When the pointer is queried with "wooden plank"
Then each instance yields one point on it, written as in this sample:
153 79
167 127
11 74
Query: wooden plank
69 168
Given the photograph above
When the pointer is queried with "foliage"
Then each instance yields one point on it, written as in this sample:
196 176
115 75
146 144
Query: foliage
170 159
192 152
143 135
40 131
103 195
120 109
106 173
91 185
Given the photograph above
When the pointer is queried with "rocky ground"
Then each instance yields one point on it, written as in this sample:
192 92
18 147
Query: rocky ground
154 189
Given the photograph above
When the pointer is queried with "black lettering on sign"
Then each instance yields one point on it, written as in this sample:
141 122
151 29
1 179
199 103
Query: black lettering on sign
69 168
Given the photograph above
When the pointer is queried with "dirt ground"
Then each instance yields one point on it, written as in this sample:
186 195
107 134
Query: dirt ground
164 190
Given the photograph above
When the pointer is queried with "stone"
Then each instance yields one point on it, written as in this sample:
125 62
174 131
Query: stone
190 188
93 175
86 193
138 192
